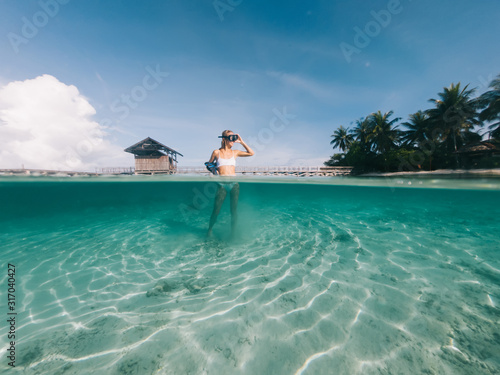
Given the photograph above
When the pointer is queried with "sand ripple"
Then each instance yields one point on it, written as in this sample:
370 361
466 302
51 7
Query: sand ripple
307 290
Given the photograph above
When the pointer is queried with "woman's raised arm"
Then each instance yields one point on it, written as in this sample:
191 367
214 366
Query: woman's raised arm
249 151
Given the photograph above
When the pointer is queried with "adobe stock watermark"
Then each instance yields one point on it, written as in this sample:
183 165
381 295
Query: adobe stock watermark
224 6
32 25
138 94
277 124
202 197
485 82
121 106
364 36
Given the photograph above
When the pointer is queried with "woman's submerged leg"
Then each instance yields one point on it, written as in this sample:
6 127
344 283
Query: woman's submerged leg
235 192
219 199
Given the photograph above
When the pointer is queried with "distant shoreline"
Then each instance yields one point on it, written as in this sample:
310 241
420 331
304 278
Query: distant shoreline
439 172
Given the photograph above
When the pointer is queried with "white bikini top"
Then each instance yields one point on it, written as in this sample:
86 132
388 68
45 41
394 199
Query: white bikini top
223 162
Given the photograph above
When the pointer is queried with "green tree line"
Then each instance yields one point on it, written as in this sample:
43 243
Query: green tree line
429 140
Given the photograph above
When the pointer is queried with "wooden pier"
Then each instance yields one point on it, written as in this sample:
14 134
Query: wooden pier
254 171
42 172
307 171
115 170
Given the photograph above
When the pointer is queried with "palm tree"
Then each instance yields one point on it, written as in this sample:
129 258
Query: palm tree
362 133
384 135
342 139
419 131
490 101
454 115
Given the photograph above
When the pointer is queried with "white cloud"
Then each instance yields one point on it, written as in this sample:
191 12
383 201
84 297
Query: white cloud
325 92
46 124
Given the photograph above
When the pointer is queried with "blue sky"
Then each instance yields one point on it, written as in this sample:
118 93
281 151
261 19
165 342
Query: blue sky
273 71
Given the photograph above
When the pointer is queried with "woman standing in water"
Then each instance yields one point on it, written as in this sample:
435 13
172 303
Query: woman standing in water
225 163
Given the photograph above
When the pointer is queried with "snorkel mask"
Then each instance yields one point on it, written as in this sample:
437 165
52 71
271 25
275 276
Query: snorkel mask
230 138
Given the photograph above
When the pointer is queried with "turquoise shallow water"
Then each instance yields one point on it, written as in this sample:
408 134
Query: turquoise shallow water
327 276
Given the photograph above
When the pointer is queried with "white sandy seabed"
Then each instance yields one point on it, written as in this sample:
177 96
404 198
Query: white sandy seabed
311 288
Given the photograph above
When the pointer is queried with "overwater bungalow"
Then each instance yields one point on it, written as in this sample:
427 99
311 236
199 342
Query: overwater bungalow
153 157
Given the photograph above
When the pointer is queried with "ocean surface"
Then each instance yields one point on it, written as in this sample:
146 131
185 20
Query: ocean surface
325 276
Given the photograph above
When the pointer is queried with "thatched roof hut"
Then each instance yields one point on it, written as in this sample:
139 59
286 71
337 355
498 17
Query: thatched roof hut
473 154
483 148
153 157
